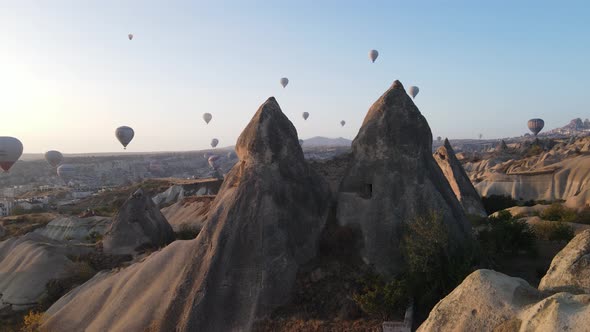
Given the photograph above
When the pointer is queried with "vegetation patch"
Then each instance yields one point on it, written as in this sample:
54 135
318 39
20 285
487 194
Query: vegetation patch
554 231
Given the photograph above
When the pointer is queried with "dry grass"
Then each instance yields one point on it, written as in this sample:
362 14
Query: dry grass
23 224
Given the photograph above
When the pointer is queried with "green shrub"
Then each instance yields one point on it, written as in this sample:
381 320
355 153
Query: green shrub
380 299
494 203
583 217
506 236
434 266
554 231
558 212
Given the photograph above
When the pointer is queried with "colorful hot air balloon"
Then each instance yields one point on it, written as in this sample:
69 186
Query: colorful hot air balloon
10 150
413 91
373 54
124 134
214 142
342 123
207 117
284 81
536 125
130 36
305 115
54 158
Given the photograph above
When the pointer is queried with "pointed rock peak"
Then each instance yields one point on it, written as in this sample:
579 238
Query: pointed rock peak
138 224
270 136
448 145
394 122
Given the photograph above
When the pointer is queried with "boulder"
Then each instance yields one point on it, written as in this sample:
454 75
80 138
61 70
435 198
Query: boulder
570 269
483 301
264 223
491 301
458 179
392 178
74 228
138 225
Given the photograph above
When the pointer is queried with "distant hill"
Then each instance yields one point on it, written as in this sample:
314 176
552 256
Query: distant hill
326 141
576 127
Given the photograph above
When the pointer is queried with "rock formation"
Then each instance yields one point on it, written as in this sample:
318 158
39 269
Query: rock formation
458 179
570 269
491 301
482 302
502 147
392 178
74 228
264 223
188 213
27 263
139 224
197 187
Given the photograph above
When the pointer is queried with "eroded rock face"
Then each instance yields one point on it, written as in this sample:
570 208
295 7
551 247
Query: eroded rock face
392 178
458 179
263 224
570 269
138 224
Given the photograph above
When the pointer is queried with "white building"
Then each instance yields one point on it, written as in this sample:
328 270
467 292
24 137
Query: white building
5 208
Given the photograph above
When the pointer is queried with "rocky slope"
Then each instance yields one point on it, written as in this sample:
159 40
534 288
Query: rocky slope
458 179
392 177
27 263
65 228
555 171
264 223
138 225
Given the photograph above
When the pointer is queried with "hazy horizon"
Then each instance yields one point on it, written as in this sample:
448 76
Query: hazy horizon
71 76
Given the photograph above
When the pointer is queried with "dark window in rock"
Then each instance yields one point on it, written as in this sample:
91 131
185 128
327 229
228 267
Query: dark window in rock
367 191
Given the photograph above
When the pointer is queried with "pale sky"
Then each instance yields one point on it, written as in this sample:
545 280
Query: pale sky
69 76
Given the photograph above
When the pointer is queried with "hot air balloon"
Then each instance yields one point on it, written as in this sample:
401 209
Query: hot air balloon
438 138
231 155
10 150
536 125
284 81
124 135
130 36
342 123
373 54
207 117
214 142
305 115
413 91
300 142
214 161
54 158
66 172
